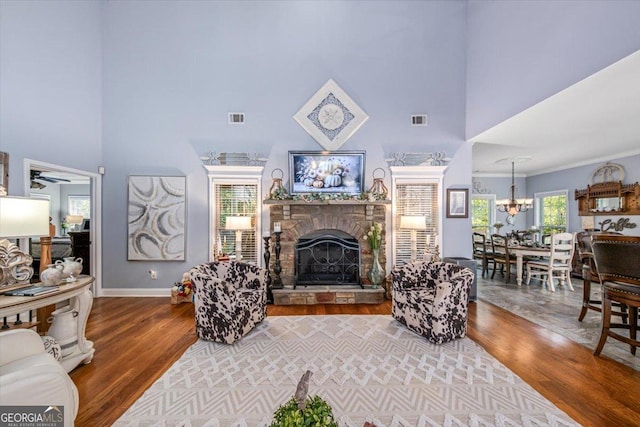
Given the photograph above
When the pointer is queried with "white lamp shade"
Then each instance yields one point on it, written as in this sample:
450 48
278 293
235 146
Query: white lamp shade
413 222
23 217
73 219
238 223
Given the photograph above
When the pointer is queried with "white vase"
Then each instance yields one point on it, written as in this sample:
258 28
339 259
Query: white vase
64 328
71 267
52 275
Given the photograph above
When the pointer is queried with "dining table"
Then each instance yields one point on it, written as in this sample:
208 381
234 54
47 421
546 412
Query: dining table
521 251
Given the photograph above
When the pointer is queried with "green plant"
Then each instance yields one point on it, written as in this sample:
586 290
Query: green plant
316 413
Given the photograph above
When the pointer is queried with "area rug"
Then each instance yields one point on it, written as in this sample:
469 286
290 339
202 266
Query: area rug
368 368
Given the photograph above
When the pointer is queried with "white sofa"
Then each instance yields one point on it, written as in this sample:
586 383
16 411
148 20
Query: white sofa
31 376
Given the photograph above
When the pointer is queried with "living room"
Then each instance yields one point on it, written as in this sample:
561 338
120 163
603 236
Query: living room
145 88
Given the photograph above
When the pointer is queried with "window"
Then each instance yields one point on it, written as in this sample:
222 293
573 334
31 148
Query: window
551 211
482 213
235 192
79 205
416 193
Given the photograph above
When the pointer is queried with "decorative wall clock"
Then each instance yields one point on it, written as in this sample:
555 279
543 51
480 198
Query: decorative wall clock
330 116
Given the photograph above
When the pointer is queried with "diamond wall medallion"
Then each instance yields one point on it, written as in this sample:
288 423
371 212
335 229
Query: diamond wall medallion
330 116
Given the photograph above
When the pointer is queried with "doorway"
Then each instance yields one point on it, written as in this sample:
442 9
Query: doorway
75 197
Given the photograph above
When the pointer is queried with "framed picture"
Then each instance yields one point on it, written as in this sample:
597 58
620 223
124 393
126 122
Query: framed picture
457 203
4 173
323 172
157 218
330 116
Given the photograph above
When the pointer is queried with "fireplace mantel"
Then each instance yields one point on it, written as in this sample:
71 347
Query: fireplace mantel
286 205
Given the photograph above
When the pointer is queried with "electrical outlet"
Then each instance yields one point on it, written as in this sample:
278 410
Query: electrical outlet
153 274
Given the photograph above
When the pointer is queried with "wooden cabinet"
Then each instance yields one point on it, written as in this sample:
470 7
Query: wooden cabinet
81 248
609 198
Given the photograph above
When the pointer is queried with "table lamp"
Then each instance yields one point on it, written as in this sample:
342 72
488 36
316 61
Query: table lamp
413 223
238 223
73 220
19 217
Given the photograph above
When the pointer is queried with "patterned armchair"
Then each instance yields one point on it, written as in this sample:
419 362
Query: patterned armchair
431 299
230 299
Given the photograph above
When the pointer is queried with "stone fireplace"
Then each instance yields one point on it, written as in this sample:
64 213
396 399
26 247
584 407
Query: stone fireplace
305 222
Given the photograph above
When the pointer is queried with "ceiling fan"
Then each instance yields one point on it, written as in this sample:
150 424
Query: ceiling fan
37 177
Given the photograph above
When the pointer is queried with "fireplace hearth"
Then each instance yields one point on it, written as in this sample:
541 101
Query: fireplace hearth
327 257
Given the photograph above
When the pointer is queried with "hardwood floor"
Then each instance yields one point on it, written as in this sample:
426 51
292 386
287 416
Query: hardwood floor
138 339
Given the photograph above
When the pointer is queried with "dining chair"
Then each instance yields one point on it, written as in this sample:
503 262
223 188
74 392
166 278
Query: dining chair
558 262
590 274
481 252
617 260
503 256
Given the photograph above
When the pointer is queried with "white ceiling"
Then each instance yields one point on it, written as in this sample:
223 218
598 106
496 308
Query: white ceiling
595 120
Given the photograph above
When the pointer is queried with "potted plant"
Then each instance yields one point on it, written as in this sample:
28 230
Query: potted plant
302 410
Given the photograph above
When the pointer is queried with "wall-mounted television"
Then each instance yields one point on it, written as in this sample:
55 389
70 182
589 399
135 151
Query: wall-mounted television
326 172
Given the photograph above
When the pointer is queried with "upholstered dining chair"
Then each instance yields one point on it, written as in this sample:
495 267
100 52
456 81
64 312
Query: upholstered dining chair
482 251
590 275
230 299
431 299
502 256
557 264
617 260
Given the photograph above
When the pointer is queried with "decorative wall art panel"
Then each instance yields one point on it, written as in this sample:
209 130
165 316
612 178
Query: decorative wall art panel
156 219
330 116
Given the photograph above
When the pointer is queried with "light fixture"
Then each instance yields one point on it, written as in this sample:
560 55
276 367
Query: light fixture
238 223
513 206
413 223
19 217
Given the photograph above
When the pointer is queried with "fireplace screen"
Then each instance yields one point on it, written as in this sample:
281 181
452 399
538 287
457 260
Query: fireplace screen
327 257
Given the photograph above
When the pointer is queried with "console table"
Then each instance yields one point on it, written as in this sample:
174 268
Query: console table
80 298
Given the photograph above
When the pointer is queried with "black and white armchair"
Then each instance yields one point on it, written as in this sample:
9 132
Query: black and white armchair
230 299
431 299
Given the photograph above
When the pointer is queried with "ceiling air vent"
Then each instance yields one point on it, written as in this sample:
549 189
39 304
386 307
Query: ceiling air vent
236 118
419 120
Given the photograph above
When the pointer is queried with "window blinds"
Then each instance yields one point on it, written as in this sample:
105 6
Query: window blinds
235 199
415 199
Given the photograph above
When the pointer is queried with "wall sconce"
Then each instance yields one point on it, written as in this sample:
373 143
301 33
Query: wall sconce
413 223
238 223
19 217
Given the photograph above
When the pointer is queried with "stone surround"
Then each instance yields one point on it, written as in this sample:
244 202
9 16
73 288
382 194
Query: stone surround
300 218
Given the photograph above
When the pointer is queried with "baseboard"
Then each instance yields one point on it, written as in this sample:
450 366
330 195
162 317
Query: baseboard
129 292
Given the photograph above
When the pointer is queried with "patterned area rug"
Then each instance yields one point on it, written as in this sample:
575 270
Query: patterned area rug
368 368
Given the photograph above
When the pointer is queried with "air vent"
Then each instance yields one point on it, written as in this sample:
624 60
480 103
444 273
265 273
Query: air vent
419 120
236 118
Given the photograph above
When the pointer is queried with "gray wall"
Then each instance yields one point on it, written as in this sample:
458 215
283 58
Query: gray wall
521 52
50 85
172 72
578 178
144 87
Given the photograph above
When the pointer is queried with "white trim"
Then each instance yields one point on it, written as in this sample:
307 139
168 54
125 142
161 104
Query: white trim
416 175
95 183
613 156
235 175
536 206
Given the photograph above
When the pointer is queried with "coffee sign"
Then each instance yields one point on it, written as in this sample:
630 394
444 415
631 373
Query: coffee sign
619 225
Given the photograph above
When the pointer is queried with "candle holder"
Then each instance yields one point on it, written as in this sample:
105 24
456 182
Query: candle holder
267 257
277 268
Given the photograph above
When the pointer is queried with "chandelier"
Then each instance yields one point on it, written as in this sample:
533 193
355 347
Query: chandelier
513 206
